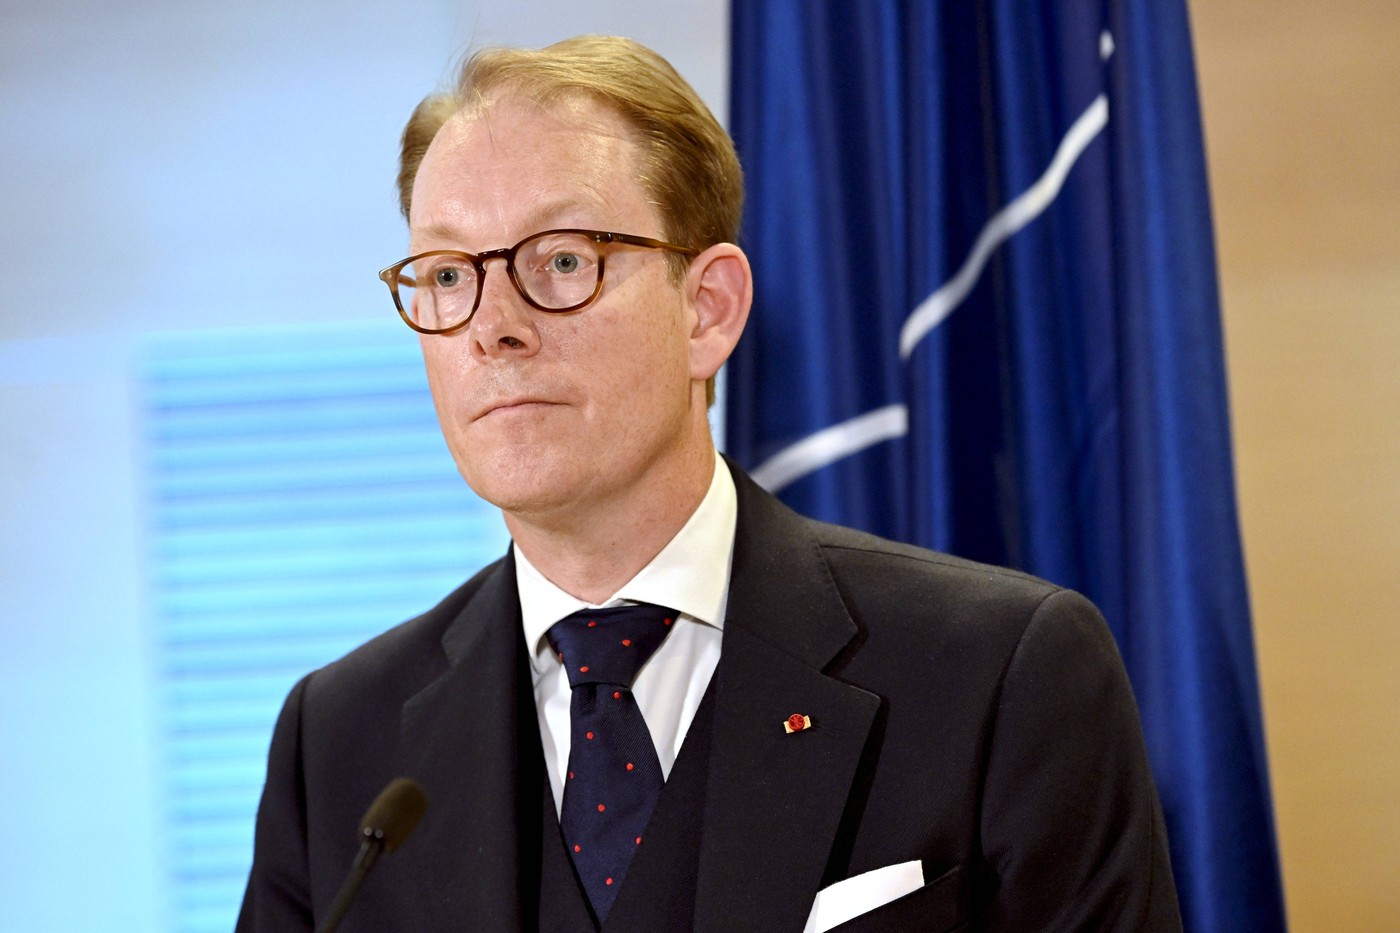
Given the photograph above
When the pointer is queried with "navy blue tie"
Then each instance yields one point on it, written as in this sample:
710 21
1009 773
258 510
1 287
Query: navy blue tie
614 776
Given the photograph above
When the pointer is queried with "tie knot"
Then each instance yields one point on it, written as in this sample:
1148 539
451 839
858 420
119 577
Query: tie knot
609 646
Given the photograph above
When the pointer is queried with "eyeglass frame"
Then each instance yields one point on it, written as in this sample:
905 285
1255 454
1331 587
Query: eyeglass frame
390 274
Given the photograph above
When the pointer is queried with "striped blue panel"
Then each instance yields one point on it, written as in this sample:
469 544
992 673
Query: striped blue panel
301 501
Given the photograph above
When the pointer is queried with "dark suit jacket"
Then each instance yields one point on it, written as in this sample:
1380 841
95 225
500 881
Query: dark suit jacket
973 718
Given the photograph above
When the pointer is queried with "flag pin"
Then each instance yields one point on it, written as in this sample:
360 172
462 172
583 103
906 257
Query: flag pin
796 723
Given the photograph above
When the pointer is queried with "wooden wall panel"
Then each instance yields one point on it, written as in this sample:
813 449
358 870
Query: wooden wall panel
1302 111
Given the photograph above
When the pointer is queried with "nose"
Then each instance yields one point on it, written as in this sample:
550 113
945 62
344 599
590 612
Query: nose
503 324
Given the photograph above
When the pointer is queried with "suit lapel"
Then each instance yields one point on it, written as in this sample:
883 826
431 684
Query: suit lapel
459 737
776 798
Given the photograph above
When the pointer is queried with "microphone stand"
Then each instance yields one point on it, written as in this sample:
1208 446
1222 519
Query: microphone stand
364 861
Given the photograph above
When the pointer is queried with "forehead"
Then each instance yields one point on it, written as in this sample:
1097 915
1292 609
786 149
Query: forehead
511 167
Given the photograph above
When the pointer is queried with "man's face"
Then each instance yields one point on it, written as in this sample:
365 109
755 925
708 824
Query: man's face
554 416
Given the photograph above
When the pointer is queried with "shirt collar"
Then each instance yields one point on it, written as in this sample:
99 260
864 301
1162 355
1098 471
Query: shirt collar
690 574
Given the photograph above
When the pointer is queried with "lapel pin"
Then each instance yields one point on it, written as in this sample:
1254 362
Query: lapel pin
796 723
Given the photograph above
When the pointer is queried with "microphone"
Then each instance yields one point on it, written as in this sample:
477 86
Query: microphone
386 824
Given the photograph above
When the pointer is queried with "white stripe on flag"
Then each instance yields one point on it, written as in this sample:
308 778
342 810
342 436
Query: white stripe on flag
1003 225
851 437
831 444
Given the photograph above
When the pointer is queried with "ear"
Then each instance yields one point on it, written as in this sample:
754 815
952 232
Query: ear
719 288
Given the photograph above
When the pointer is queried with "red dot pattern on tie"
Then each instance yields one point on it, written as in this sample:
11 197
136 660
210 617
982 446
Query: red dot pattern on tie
606 649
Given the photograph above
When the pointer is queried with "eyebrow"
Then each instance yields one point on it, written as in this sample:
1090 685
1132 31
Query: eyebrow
436 231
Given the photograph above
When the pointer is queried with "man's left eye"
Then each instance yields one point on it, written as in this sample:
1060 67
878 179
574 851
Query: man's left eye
564 262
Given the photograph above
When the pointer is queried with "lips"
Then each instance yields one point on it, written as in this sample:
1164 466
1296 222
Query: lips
510 405
507 392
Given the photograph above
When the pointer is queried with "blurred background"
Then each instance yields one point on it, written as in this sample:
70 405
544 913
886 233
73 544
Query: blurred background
217 415
1302 120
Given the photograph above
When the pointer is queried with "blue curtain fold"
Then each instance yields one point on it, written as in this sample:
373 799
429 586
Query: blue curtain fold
1067 412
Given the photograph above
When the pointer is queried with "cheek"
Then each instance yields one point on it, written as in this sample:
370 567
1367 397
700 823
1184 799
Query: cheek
650 388
646 335
640 374
445 379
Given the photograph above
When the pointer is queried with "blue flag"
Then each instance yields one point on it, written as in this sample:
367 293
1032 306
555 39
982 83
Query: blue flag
986 322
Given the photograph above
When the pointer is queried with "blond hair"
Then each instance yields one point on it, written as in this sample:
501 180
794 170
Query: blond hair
688 165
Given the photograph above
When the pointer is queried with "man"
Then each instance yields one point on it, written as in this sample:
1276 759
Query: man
838 732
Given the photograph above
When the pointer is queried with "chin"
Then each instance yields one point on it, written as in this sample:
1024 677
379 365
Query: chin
520 483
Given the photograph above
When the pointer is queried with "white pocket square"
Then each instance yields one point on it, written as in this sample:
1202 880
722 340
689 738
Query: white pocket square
862 893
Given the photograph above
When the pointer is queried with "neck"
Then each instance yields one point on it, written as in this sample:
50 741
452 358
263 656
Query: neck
592 554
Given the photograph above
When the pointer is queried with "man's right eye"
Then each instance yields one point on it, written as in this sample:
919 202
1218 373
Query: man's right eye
448 278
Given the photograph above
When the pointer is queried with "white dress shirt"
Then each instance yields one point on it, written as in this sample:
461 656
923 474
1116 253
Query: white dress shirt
690 575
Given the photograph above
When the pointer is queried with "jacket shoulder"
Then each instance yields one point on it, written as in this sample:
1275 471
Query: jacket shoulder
973 617
847 550
403 654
